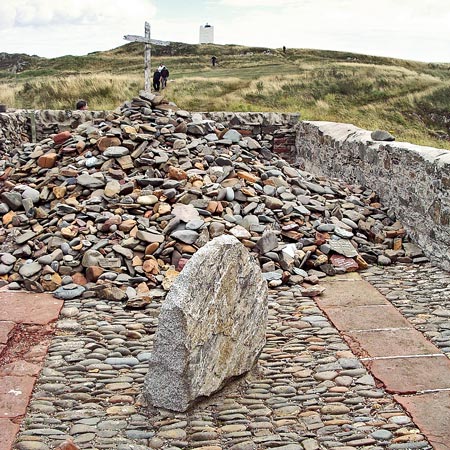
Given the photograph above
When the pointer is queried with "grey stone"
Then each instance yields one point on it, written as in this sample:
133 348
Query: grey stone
69 291
90 181
211 325
382 135
343 247
116 152
30 269
186 236
233 135
267 242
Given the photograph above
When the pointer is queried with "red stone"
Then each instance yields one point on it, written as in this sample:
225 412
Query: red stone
93 272
5 328
411 375
47 161
105 142
431 413
350 293
62 137
8 431
349 264
390 343
20 369
67 445
15 393
366 318
23 307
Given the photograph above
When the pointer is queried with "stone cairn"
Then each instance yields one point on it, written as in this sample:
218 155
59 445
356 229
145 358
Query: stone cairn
117 208
212 326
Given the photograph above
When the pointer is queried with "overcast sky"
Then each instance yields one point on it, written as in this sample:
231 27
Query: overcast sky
410 29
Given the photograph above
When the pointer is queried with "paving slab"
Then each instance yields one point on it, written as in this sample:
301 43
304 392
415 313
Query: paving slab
8 431
20 369
347 293
6 327
365 317
431 413
21 307
403 342
411 375
15 393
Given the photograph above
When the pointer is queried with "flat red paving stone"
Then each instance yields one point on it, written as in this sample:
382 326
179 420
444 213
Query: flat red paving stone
22 307
389 343
8 431
349 293
431 413
411 375
365 317
15 393
20 369
5 328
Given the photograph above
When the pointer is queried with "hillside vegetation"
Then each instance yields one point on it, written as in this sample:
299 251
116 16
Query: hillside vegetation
410 99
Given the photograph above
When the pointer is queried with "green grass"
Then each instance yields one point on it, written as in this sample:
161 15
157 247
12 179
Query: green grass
408 98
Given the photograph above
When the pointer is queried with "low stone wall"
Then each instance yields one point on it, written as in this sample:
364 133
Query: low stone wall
17 127
277 129
14 130
413 181
21 126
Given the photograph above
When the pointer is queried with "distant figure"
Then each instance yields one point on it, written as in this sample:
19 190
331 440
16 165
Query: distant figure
213 61
164 76
161 67
284 49
82 105
156 80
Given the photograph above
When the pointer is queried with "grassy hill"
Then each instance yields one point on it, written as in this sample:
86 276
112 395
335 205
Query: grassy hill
408 98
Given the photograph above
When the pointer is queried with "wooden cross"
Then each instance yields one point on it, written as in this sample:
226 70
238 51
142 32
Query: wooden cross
147 53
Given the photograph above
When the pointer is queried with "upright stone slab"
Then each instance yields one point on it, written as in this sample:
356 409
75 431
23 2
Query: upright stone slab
211 327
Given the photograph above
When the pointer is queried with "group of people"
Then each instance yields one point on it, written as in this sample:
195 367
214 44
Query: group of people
160 77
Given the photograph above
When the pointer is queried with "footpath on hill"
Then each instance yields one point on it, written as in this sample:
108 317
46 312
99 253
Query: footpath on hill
107 216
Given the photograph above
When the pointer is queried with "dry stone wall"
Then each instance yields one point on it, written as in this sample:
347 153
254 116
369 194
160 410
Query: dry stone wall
14 130
278 129
412 180
17 127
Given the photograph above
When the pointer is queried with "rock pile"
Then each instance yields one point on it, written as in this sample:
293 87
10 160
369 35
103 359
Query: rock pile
116 209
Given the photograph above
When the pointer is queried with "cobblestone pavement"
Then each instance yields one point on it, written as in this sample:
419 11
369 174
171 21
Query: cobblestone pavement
308 392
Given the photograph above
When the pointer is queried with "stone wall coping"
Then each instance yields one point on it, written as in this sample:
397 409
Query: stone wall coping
345 132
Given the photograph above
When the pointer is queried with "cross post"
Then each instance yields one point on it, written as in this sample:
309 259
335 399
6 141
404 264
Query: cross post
147 53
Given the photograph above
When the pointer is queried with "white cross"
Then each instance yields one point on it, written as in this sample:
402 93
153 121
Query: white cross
147 52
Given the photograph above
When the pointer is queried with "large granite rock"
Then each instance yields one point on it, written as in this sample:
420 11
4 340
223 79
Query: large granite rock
211 327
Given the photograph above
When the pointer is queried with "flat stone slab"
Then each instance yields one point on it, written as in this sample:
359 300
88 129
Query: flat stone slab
5 328
431 413
366 317
350 293
8 431
411 375
389 343
21 307
15 392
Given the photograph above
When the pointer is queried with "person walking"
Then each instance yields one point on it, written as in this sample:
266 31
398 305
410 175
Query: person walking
213 61
156 80
164 77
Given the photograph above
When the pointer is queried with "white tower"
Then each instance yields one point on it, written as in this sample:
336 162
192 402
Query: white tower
206 34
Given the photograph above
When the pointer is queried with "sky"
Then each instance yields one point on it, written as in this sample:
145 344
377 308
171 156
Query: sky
409 29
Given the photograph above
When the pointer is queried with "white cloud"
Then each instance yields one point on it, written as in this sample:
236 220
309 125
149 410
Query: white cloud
59 27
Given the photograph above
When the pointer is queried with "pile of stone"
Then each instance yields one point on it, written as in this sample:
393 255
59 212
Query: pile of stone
116 209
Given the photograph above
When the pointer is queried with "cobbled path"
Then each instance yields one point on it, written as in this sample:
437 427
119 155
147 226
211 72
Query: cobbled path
308 391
